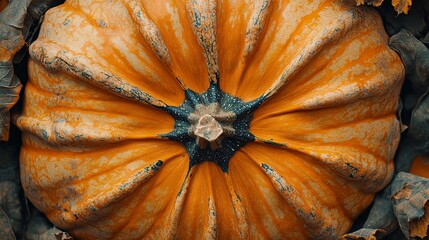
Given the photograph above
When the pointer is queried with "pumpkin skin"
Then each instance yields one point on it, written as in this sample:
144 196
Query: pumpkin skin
108 81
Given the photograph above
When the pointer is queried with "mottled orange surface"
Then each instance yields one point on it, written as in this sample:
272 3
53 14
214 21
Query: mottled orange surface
420 167
91 155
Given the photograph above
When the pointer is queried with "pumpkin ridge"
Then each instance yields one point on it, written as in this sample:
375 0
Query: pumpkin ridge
256 26
330 34
202 16
149 31
155 166
350 94
101 201
310 215
294 195
176 213
211 230
57 133
154 228
348 167
240 212
54 59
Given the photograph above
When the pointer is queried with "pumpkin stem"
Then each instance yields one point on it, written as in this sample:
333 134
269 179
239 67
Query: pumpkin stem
209 124
208 130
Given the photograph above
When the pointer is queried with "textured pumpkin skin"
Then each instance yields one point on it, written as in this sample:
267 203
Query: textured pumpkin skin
93 158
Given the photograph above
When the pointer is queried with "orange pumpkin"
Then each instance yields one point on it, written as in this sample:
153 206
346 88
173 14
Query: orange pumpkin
209 119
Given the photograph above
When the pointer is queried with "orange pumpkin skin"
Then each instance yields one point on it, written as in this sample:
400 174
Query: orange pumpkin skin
94 158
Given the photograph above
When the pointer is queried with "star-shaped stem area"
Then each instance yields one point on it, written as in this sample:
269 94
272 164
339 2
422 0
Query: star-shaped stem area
212 126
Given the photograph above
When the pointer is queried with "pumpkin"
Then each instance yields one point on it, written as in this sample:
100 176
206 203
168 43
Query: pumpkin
208 119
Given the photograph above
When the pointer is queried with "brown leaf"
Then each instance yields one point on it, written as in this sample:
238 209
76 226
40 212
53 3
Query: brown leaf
55 234
410 204
6 232
401 6
364 234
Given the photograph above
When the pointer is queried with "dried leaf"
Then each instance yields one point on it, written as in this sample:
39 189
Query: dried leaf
10 186
6 232
410 204
401 6
415 20
55 234
364 234
11 40
32 23
381 219
415 56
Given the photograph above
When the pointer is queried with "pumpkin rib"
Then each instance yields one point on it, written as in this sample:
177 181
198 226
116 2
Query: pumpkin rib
150 57
273 114
297 90
305 207
211 230
135 217
130 219
152 36
176 212
196 222
149 31
240 212
256 26
333 192
348 166
202 16
246 63
64 100
180 41
84 69
108 119
261 202
118 192
52 172
349 94
312 218
233 60
133 159
328 35
58 133
227 32
227 223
